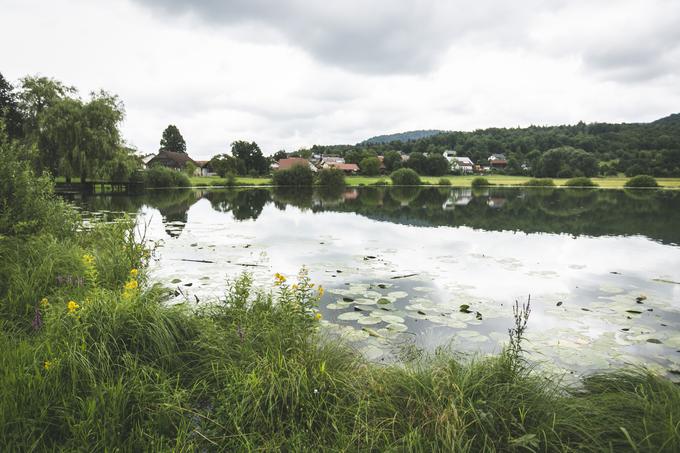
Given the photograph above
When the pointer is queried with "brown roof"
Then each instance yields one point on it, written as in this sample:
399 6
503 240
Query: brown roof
170 159
285 164
499 162
346 167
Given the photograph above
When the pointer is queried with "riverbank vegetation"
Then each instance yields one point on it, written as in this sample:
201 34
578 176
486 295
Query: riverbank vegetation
480 182
642 181
539 182
581 181
405 177
94 359
611 182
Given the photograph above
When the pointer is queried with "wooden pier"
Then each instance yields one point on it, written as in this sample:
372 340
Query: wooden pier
99 187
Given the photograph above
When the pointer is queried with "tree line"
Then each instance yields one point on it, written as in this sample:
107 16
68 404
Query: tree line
549 151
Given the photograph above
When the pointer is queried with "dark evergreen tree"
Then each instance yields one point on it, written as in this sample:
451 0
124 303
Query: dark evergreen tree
172 140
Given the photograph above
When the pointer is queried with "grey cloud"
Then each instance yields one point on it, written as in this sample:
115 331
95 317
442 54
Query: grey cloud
646 50
634 62
381 36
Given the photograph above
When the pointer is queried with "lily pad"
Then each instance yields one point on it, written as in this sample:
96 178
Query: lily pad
369 321
350 316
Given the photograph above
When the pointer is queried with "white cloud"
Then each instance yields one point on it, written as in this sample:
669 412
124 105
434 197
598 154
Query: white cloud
291 74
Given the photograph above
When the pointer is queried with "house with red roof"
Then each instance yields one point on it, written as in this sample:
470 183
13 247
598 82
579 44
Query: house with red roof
290 162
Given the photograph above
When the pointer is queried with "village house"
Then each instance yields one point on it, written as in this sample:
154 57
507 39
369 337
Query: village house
170 159
497 161
329 161
290 162
349 169
463 164
203 168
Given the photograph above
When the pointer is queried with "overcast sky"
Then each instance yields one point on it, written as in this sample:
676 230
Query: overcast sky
292 73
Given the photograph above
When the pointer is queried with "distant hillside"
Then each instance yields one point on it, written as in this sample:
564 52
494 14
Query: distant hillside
401 137
611 148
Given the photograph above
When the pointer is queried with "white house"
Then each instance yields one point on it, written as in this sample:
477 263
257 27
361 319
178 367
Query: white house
463 164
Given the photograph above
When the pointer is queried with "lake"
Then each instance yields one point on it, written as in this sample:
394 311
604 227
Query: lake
410 269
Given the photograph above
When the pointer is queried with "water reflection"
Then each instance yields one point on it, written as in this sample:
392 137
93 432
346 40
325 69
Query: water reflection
654 214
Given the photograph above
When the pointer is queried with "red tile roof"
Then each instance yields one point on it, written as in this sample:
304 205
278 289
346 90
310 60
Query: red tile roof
345 167
285 164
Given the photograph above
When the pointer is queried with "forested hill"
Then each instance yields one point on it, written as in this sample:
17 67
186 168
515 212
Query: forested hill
565 151
401 137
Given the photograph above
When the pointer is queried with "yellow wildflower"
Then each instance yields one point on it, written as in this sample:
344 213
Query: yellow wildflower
48 364
321 291
318 316
44 302
132 284
88 259
279 279
134 272
295 286
72 306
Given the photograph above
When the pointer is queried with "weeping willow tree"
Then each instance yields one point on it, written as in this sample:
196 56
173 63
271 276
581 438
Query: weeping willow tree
73 137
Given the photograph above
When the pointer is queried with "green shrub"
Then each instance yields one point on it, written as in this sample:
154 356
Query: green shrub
160 177
297 175
642 181
540 182
480 181
27 203
331 177
405 177
380 182
370 166
581 181
444 182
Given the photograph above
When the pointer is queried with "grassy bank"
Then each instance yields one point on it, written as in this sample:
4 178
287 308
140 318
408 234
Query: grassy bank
609 182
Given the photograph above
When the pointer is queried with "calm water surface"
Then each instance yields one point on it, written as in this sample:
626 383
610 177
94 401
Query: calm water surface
602 266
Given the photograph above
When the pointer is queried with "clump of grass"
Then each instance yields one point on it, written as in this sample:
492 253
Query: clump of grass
444 182
641 181
480 181
581 181
539 182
